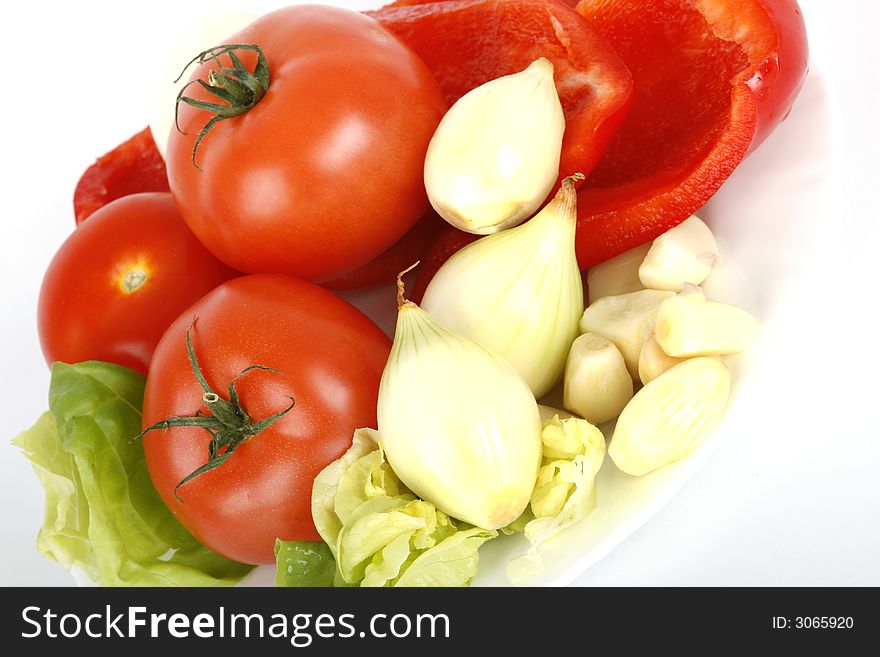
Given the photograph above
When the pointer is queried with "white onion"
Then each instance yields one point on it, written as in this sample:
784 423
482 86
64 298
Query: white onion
518 292
458 425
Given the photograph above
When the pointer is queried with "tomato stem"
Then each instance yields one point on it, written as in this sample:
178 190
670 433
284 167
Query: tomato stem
236 86
228 423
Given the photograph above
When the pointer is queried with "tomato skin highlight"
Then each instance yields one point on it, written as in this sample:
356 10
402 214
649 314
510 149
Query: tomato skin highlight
133 167
326 171
331 357
119 281
711 79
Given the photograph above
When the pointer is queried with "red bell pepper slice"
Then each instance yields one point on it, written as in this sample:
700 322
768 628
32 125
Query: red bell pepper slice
132 167
712 78
594 88
444 247
466 43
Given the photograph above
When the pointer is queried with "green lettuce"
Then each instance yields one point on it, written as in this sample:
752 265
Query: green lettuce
303 564
565 492
102 513
380 534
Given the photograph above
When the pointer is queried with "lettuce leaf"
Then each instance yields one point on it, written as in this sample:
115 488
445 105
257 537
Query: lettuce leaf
380 534
102 513
565 492
64 532
453 562
303 564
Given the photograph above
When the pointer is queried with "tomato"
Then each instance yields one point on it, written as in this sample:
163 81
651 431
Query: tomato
325 171
385 267
469 42
132 167
711 79
119 281
329 358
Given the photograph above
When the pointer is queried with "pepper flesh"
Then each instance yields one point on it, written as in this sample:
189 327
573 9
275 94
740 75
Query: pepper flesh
712 78
133 167
453 39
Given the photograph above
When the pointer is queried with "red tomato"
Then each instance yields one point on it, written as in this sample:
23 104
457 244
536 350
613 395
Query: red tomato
120 280
132 167
325 172
331 358
385 267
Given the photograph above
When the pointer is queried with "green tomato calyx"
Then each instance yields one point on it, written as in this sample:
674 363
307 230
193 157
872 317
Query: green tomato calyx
236 86
227 422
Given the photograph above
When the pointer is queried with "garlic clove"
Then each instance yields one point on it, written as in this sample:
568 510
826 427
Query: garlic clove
597 383
495 155
684 254
671 416
691 325
653 361
625 319
620 275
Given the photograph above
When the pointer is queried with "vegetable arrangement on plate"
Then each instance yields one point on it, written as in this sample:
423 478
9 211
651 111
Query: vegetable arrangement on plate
316 149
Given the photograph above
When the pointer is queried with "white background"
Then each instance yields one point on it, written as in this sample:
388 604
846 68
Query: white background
791 499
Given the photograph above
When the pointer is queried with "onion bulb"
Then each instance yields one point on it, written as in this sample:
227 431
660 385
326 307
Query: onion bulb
495 155
458 425
518 292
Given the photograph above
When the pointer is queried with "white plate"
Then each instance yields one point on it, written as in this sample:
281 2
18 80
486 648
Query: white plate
771 220
779 195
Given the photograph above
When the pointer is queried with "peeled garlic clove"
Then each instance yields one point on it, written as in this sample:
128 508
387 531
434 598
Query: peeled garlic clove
653 361
671 416
495 155
691 325
689 288
597 383
625 319
684 254
620 275
459 426
518 292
